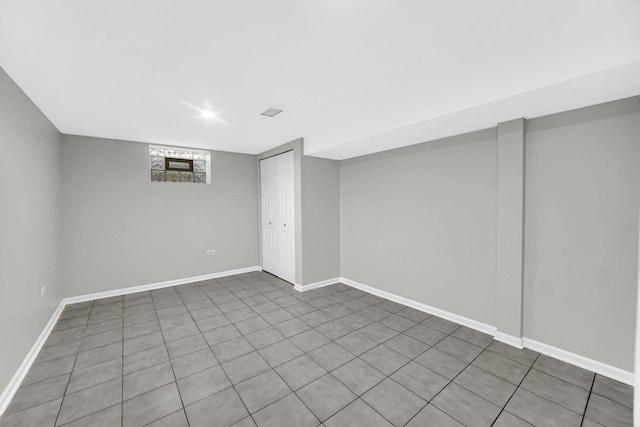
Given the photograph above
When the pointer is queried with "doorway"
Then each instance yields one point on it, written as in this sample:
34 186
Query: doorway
278 215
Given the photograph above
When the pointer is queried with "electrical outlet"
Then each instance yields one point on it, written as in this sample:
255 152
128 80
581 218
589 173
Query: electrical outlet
43 290
211 252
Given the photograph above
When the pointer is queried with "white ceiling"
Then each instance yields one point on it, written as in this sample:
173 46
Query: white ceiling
352 76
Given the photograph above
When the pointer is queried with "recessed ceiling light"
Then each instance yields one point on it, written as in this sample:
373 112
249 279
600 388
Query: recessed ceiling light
208 114
271 112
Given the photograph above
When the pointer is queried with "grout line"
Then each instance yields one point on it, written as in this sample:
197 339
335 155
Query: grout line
359 396
166 416
39 403
562 379
340 302
266 287
232 324
586 405
514 391
450 381
306 354
275 298
260 355
532 368
64 396
220 363
292 391
170 365
333 302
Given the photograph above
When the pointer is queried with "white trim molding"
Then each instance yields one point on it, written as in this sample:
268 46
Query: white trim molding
511 340
473 324
581 361
159 285
13 386
316 285
566 356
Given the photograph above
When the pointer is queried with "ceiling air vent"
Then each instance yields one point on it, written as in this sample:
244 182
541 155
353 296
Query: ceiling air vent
271 112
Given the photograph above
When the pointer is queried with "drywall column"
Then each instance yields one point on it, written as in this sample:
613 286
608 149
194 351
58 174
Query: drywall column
320 220
511 141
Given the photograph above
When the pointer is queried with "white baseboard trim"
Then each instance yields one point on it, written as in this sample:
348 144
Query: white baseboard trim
581 361
566 356
511 340
473 324
316 285
13 386
159 285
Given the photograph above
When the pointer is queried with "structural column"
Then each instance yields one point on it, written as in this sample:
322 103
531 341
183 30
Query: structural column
511 169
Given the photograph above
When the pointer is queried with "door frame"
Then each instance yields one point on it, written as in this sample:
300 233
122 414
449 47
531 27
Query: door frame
278 215
297 147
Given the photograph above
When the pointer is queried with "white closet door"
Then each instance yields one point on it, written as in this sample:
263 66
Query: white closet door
278 216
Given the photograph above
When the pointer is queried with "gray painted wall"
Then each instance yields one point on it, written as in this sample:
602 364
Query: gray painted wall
581 230
30 242
122 230
320 219
420 222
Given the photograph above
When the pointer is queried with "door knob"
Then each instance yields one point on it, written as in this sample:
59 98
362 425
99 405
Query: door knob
285 225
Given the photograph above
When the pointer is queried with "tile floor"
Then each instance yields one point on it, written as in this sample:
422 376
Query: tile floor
249 350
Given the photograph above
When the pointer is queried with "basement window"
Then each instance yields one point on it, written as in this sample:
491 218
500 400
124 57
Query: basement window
176 164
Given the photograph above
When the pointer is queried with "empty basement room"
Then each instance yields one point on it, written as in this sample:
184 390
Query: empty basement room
319 213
